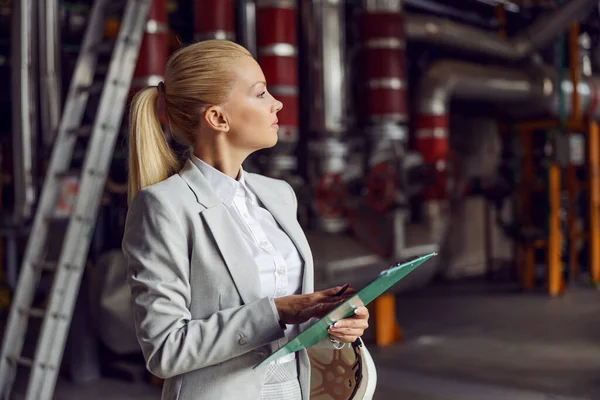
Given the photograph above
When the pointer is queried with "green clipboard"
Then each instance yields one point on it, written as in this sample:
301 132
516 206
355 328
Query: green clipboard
318 331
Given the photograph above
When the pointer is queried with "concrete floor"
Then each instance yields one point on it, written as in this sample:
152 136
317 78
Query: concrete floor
463 341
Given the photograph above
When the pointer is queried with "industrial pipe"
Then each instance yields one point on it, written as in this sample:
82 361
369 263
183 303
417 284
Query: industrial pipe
214 19
154 51
446 79
532 90
382 37
50 82
421 28
323 28
277 49
24 107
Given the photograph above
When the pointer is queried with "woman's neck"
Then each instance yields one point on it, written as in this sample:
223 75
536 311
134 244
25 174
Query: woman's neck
220 156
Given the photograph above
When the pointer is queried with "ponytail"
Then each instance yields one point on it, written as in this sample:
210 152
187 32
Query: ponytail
151 160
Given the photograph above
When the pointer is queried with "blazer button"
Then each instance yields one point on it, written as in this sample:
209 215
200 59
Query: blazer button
242 340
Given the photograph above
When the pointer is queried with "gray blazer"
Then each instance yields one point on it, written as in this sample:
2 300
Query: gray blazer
200 318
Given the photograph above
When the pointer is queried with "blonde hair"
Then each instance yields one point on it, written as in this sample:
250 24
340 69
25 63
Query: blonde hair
196 76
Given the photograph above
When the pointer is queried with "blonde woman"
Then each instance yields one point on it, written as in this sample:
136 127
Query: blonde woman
220 271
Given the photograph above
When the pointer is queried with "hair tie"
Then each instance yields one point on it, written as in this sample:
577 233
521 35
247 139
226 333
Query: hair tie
161 87
161 106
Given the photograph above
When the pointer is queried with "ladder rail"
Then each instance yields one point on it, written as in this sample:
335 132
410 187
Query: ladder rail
75 106
105 130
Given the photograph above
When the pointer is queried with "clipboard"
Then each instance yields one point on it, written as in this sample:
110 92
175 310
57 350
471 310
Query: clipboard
318 331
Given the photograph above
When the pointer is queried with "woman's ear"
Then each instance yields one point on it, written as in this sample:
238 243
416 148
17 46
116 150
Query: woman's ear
216 118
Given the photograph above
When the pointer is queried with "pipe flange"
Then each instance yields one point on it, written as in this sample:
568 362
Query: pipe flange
381 185
330 195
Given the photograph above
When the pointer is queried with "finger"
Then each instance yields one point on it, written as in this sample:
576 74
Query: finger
346 331
351 323
361 313
331 291
344 339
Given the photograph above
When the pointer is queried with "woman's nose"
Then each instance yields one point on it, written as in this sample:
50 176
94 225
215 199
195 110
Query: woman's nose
277 106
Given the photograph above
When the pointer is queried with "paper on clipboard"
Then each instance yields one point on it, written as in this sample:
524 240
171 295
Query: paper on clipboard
318 331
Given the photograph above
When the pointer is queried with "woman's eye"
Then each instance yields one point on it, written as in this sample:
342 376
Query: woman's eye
262 94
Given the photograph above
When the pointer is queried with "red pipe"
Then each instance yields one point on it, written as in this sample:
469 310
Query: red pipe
277 49
214 19
385 68
431 141
154 51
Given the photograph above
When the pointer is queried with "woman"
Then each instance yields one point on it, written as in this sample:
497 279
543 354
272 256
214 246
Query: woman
220 271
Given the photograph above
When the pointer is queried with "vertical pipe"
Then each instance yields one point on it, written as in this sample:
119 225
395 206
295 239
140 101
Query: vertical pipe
431 141
323 27
50 82
24 107
571 178
594 199
246 13
554 239
214 19
277 50
385 97
154 50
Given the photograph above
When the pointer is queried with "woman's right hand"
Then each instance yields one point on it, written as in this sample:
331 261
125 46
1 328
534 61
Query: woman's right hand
297 309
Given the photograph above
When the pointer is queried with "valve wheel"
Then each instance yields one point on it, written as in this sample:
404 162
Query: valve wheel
330 195
381 185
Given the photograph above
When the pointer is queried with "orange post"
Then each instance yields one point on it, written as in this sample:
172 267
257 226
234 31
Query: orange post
594 199
555 284
387 330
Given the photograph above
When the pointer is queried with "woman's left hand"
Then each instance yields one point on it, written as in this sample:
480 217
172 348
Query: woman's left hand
347 330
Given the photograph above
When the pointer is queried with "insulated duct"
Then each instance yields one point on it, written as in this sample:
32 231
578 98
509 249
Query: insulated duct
50 82
534 90
277 50
323 28
151 64
384 95
443 32
214 19
24 97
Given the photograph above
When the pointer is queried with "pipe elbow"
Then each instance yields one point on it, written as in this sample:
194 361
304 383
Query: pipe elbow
435 86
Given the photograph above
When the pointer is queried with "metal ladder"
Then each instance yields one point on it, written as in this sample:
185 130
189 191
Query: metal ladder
101 138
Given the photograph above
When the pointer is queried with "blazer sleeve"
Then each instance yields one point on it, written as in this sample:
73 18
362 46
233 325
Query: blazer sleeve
156 246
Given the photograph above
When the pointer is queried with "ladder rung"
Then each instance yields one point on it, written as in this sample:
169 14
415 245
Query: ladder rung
94 88
24 361
33 312
45 265
82 131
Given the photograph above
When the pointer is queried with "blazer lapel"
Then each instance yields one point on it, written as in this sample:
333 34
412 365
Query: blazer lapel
242 268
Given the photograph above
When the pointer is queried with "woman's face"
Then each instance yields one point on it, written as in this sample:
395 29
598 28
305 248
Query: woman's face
251 110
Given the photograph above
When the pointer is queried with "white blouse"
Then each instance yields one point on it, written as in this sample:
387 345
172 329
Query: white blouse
278 260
